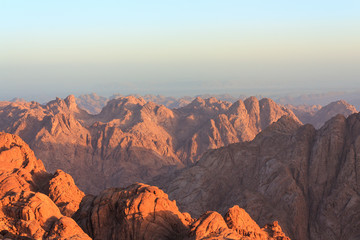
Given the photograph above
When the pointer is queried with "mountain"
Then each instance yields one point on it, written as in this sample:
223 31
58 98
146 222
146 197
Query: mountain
317 115
92 103
331 110
132 140
307 179
35 204
305 113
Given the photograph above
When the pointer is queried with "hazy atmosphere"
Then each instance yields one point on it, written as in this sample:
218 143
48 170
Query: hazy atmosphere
56 48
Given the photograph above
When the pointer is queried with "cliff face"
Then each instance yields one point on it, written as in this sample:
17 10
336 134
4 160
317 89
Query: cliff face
130 139
304 178
37 205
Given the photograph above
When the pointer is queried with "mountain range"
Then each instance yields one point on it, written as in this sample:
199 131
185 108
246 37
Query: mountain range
232 166
133 140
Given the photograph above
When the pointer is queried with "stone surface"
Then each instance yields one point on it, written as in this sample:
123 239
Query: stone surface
25 211
305 179
64 193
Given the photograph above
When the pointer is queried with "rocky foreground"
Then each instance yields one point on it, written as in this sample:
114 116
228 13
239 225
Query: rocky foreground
35 204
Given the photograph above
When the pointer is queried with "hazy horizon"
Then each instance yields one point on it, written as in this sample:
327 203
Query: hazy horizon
182 48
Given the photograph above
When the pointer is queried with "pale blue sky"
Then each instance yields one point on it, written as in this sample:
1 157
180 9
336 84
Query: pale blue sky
54 48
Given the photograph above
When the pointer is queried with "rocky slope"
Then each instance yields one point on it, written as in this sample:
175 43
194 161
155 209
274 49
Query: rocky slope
304 178
317 115
130 139
35 204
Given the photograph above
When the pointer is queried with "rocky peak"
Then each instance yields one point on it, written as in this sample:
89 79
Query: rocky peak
71 103
251 103
239 220
197 102
237 107
206 106
67 105
117 106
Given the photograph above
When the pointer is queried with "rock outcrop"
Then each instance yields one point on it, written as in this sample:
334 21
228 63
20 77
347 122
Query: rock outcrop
144 212
64 193
132 140
26 212
306 179
137 212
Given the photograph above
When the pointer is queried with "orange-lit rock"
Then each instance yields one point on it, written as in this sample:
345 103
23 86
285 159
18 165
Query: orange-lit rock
65 194
137 212
211 225
144 212
25 211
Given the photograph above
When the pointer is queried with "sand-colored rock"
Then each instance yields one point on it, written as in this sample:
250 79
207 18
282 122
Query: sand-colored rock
305 179
132 140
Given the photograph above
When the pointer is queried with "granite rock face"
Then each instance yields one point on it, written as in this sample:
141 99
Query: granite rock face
26 212
132 140
305 179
